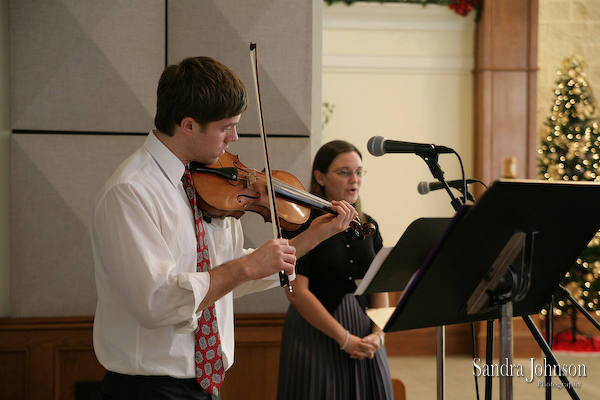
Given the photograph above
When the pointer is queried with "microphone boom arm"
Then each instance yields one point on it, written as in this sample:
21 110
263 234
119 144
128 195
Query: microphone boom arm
431 159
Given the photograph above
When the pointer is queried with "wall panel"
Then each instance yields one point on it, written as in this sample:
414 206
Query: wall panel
46 357
505 95
93 67
13 371
85 66
283 32
54 180
510 97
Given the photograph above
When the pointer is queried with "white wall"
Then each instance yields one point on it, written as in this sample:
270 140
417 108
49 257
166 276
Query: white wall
401 71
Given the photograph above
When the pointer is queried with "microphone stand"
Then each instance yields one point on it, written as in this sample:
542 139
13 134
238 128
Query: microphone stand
431 159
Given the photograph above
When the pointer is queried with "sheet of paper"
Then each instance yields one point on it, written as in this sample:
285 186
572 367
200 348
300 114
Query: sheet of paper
380 316
372 271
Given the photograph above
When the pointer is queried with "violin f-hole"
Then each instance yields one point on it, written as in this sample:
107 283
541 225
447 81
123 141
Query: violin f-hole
246 196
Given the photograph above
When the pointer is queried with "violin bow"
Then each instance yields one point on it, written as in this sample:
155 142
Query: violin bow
283 278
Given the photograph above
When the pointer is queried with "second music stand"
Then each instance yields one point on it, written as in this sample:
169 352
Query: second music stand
528 232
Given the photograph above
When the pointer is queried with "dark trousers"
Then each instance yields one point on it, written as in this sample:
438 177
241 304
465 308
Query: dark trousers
127 387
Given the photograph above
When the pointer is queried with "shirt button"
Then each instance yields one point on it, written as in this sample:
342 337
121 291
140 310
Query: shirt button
351 261
348 246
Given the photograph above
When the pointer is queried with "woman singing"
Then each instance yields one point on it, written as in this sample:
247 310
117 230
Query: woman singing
330 349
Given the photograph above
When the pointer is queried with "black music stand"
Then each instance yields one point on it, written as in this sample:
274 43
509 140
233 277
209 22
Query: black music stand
527 232
405 258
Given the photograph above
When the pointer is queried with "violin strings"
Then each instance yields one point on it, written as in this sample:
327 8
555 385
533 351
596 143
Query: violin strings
299 192
292 189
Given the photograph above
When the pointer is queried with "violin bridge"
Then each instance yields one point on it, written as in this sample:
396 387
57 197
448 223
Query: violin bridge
251 178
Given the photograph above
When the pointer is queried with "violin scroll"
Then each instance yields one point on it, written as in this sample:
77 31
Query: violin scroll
362 230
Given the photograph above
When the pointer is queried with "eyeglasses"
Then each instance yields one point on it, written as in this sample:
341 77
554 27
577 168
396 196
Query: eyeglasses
346 173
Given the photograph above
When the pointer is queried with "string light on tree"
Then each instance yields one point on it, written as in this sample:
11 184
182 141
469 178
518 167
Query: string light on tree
570 151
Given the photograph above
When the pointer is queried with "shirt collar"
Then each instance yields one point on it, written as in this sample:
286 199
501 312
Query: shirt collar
168 162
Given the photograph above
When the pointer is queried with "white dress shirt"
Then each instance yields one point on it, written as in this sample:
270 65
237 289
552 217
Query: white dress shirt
144 248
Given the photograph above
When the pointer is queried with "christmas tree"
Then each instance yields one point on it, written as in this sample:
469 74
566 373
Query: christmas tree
570 151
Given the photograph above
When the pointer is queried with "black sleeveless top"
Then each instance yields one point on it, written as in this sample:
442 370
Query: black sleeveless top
333 266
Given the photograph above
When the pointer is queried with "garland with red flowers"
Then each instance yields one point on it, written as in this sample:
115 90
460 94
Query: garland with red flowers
462 7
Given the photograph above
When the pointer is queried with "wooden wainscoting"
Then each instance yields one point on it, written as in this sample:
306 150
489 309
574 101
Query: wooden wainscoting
418 342
43 358
256 368
258 340
423 342
524 344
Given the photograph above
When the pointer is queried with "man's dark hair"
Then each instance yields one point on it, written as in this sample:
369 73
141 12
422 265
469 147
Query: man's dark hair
201 88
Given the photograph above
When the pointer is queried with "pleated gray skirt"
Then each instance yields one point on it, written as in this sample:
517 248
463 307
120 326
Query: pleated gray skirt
312 366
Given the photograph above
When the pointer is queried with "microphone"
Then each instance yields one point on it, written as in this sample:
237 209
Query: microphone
426 187
378 146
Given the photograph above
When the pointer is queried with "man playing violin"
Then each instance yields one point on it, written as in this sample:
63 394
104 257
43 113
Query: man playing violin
165 276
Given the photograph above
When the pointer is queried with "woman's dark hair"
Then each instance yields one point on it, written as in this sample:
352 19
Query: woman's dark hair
323 159
201 88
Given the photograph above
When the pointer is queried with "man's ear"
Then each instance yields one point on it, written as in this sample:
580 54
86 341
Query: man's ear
187 125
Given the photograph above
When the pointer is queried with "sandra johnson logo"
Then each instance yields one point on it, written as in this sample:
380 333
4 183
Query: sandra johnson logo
536 370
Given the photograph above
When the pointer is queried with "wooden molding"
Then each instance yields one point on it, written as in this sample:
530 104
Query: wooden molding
505 88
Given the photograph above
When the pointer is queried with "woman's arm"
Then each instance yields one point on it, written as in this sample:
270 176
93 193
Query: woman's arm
324 227
317 315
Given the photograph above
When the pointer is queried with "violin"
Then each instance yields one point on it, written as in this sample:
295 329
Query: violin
229 188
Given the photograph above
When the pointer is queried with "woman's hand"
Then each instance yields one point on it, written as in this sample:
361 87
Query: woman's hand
330 224
361 348
324 227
